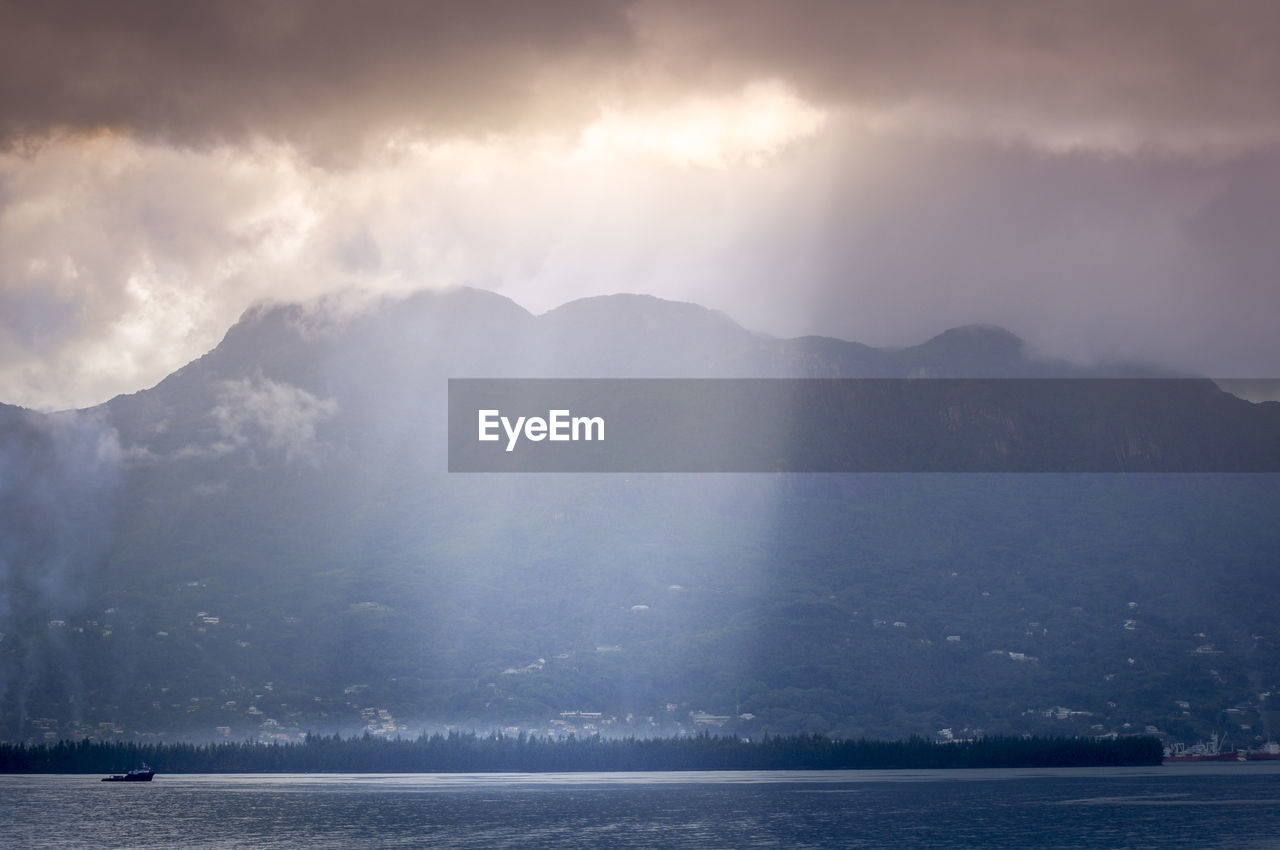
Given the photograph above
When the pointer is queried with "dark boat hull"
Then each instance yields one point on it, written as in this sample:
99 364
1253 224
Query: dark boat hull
132 776
1231 756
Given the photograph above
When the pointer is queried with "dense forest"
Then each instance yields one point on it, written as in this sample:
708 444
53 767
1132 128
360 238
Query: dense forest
469 752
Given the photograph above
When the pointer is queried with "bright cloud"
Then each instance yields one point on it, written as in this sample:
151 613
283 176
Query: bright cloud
284 418
121 260
746 128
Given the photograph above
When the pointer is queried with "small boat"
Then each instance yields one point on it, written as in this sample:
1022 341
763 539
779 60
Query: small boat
138 774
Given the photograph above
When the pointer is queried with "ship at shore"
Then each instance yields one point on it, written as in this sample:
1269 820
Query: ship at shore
1270 751
1214 749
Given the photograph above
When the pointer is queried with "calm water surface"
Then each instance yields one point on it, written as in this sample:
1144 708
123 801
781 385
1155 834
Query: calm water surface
1187 806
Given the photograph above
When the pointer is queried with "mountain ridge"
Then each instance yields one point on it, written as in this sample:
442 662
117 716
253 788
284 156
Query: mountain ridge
978 350
975 350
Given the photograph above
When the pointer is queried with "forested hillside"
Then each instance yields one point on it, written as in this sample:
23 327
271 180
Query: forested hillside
268 544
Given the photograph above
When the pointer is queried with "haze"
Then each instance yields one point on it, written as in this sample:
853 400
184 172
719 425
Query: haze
1100 178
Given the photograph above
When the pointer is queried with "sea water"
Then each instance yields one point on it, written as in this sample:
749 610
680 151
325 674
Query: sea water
1189 806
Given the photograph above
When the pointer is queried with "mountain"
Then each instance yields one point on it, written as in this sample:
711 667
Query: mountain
268 543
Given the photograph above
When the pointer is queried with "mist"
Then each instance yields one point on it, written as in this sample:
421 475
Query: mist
58 475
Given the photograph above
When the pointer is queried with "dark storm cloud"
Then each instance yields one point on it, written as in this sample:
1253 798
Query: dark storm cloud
314 71
1151 67
325 73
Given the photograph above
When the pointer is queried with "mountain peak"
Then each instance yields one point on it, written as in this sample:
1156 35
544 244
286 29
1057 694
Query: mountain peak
636 310
987 337
968 351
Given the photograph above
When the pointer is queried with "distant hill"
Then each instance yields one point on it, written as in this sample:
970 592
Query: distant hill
267 543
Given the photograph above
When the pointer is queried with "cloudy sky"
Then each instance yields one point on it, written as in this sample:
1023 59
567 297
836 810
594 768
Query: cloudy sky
1103 178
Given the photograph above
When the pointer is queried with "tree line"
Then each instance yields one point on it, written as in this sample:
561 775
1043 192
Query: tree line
466 752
